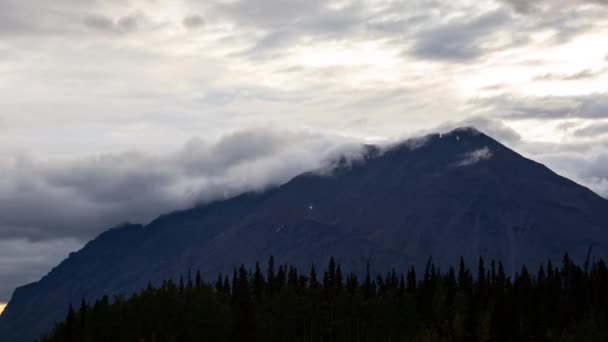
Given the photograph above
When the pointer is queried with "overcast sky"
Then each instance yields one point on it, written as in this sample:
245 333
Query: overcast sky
120 110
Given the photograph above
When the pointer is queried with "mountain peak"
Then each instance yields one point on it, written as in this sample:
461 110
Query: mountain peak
464 133
465 130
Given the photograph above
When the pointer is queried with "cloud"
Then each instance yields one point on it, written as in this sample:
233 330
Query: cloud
25 18
124 24
461 39
80 198
588 166
99 22
193 21
278 24
23 261
63 18
310 16
51 207
581 75
564 20
592 131
475 157
592 106
539 6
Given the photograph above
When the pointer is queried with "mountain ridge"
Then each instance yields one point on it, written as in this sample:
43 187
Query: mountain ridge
461 193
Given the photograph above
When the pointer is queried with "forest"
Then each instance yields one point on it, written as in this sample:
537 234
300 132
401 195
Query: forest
563 302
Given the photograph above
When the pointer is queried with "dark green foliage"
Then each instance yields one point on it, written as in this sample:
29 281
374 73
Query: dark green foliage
565 304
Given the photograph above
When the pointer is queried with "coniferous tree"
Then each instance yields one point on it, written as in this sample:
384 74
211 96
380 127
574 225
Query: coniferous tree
565 303
258 281
199 280
313 282
270 277
69 322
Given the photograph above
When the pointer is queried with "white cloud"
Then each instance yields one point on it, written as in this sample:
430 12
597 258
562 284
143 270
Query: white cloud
475 157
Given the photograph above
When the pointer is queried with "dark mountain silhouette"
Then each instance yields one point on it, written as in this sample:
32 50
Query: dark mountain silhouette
445 196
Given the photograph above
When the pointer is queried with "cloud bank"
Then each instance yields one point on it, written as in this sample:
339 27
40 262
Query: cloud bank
78 198
52 207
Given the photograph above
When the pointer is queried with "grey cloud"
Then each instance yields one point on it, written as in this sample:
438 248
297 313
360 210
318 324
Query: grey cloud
527 7
99 22
128 23
594 106
459 40
124 24
592 130
521 6
219 97
51 208
77 199
398 19
581 75
66 17
193 21
60 17
588 167
277 14
268 46
568 29
284 22
23 261
564 19
17 18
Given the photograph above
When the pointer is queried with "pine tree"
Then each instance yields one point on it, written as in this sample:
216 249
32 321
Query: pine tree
219 284
258 281
313 282
481 277
82 313
199 281
69 323
331 273
189 283
411 281
338 281
181 284
270 278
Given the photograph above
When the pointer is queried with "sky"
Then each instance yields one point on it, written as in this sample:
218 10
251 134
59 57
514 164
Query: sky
120 110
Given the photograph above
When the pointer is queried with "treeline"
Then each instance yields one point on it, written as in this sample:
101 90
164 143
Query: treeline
565 303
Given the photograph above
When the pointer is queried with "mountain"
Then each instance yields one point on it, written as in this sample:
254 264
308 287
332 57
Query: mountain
444 195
